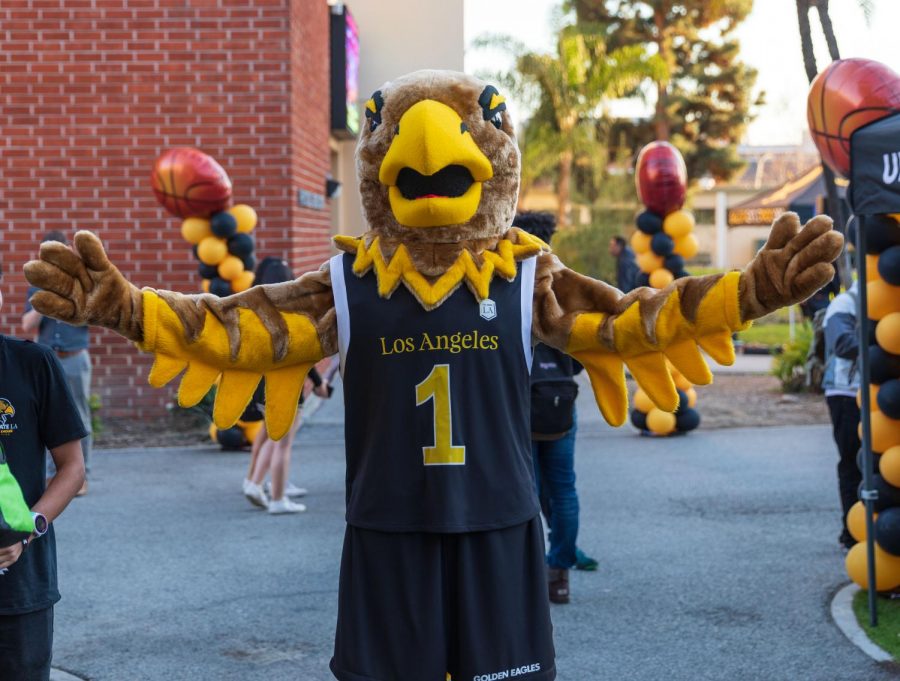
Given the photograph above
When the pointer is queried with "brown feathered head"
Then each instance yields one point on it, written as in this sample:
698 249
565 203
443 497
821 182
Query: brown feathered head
437 160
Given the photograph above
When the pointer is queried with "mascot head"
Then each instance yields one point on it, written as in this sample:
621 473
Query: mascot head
437 160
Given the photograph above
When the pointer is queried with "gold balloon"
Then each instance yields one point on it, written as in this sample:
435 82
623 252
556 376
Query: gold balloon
692 397
213 431
687 246
887 568
195 230
856 521
205 285
887 332
873 397
885 432
882 298
245 216
642 402
640 242
649 261
230 267
212 250
678 224
660 422
660 278
243 281
889 466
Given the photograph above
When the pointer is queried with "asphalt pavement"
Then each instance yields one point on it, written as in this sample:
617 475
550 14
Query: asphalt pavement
718 559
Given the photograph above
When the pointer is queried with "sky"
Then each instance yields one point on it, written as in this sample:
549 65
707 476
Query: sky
769 42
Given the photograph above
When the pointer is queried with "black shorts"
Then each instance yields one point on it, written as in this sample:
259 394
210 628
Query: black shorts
26 645
420 606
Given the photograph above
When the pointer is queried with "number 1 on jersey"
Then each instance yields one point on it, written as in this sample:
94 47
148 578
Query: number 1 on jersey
436 387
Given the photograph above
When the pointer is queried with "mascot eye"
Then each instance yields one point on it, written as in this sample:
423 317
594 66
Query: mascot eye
493 104
373 110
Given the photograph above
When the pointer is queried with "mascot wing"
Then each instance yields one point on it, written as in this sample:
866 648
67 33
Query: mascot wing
607 331
277 332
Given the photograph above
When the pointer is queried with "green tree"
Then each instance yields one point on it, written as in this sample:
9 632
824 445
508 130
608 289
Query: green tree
704 102
570 87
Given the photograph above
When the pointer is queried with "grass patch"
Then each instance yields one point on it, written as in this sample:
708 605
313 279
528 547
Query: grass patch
887 633
767 334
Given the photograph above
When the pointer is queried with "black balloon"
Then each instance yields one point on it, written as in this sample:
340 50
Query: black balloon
887 530
885 366
889 398
249 263
220 287
649 222
240 245
208 271
882 232
889 265
223 224
687 420
638 419
674 263
876 458
194 251
231 438
662 244
888 495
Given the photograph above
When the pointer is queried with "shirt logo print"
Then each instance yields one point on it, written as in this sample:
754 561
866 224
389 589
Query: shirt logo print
7 414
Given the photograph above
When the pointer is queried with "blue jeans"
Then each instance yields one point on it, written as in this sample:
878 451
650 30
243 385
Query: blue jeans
554 473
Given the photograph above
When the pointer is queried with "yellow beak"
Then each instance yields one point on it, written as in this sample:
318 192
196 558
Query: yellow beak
433 168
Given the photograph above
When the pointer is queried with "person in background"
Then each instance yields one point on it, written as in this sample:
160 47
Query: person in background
841 383
37 414
70 344
273 457
626 266
553 428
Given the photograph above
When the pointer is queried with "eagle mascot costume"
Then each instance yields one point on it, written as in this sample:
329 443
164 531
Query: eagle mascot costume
434 312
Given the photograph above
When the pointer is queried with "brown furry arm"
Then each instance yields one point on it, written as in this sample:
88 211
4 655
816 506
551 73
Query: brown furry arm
276 331
643 329
606 330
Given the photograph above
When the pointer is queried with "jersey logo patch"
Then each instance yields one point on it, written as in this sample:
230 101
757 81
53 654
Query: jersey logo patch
488 309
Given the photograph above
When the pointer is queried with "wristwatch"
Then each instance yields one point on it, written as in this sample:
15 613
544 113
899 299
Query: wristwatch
40 524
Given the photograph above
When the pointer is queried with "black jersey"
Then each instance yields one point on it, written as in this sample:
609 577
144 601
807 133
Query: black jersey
437 405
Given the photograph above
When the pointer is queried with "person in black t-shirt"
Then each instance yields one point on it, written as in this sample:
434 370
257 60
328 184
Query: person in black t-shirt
37 413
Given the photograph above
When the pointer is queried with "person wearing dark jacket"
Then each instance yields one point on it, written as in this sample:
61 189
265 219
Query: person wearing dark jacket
841 383
626 266
553 428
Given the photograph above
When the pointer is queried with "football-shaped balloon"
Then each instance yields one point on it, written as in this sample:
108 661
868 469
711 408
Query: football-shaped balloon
189 183
844 97
661 177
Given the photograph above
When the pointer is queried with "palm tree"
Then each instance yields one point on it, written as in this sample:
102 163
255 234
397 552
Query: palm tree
571 87
833 203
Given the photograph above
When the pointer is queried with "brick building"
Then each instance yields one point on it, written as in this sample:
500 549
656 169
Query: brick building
92 91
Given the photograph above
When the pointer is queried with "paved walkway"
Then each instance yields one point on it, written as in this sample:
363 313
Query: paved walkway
718 560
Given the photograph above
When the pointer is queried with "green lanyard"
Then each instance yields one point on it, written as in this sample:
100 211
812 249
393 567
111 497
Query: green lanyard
16 521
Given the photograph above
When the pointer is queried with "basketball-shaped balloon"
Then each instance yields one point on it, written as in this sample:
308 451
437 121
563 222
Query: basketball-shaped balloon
189 183
843 98
661 177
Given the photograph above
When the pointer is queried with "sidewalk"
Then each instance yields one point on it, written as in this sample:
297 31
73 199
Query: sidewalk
718 556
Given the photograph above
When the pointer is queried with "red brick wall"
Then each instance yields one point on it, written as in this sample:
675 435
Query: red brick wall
92 91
